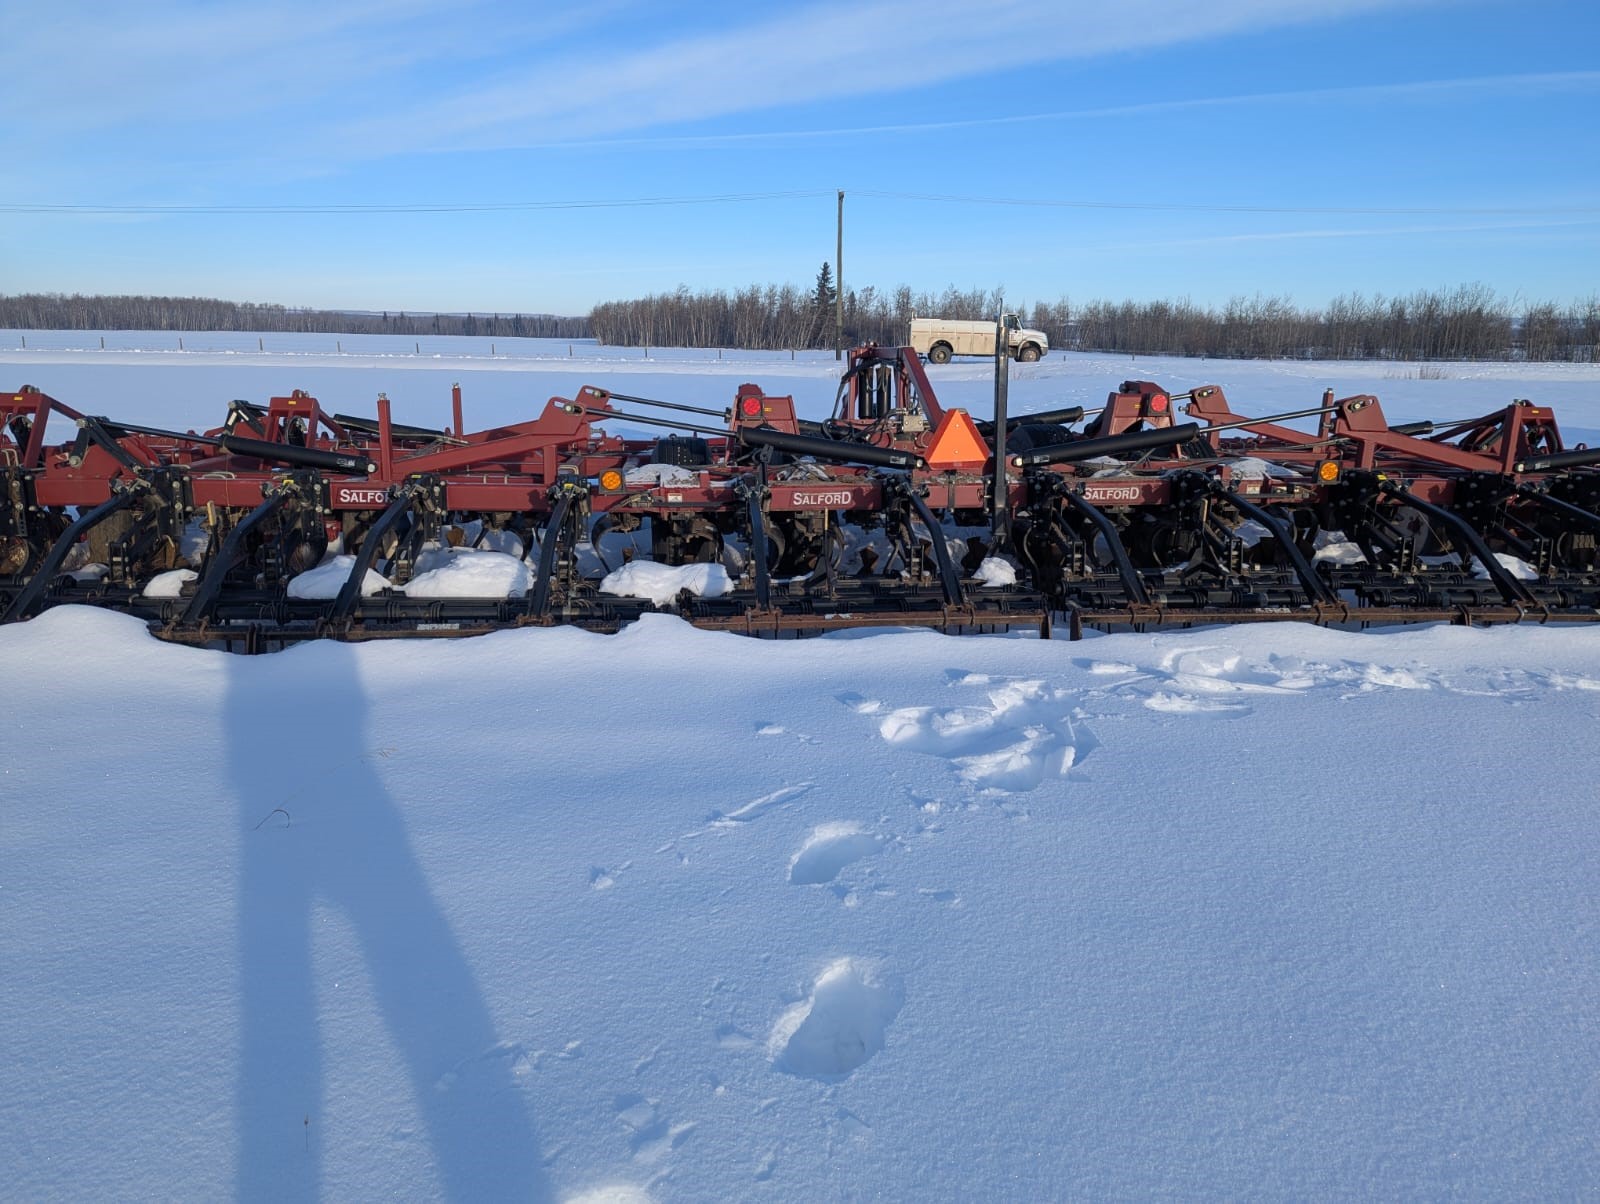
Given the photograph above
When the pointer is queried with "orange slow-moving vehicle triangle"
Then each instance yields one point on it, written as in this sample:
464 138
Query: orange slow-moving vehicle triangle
956 444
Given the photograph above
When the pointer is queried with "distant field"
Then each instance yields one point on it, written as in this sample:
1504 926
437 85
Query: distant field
145 376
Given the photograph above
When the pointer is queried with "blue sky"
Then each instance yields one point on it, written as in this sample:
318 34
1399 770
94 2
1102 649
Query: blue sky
525 157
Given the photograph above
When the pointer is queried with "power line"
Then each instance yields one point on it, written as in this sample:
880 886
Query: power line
151 210
409 207
1180 206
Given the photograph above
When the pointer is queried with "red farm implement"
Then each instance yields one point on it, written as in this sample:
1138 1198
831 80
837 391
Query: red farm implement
1155 509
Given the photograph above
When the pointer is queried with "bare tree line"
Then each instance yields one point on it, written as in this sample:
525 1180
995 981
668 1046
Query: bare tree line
55 311
778 317
1466 323
1470 322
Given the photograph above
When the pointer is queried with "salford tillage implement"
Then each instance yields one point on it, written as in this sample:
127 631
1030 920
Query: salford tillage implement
288 522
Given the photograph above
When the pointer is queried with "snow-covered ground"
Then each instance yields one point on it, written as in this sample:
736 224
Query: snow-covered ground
347 372
672 915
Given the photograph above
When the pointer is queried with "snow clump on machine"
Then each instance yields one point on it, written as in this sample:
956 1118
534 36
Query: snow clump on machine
328 578
465 574
661 583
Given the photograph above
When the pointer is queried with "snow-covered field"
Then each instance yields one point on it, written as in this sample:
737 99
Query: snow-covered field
671 915
347 372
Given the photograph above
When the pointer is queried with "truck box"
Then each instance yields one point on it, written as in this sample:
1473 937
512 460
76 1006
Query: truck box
939 338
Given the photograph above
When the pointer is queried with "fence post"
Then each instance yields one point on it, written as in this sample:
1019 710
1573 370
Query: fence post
180 342
261 344
418 346
102 343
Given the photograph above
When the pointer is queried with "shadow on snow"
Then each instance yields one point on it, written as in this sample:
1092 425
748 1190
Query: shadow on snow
296 740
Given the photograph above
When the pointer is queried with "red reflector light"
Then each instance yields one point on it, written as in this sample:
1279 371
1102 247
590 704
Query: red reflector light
750 407
1158 404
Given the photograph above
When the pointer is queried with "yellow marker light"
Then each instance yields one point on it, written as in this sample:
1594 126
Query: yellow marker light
611 480
1328 471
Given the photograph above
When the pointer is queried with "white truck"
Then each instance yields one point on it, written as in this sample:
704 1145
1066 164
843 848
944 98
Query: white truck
938 339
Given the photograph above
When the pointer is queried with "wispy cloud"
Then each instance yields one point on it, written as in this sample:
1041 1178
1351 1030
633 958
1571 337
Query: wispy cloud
813 53
165 62
367 78
164 65
1443 90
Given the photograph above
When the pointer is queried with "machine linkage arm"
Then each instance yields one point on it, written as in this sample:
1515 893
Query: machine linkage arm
355 464
898 486
122 496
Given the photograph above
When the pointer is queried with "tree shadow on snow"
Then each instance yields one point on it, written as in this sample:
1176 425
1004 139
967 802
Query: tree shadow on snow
320 834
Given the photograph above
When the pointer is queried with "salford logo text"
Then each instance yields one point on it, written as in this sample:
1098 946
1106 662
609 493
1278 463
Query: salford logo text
841 497
1112 493
354 495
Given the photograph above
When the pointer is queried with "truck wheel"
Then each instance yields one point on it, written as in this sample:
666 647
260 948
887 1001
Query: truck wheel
1029 353
939 353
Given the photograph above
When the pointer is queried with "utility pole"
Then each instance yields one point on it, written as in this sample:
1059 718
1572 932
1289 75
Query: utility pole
838 286
1000 490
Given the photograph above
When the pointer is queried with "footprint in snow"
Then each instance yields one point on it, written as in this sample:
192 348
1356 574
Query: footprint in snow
827 851
777 729
851 1126
1185 704
1215 670
601 878
841 1023
1199 680
486 1070
1016 739
758 807
731 1036
1213 679
650 1137
1384 677
1105 668
1563 681
859 704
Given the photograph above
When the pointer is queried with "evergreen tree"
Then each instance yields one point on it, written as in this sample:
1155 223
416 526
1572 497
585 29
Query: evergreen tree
823 300
826 295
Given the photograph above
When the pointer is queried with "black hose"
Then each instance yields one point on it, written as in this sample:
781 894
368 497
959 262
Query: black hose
1110 445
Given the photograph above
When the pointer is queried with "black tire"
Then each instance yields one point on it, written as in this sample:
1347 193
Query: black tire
1028 353
939 353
